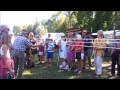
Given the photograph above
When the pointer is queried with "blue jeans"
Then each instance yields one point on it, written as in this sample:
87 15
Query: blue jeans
19 60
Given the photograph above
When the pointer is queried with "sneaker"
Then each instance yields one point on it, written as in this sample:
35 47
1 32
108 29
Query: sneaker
84 68
98 76
75 70
89 69
79 72
113 75
69 69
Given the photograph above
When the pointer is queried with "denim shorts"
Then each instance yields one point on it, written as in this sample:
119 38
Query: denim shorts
49 55
79 55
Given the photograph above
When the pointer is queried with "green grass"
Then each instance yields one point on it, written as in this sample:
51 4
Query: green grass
40 72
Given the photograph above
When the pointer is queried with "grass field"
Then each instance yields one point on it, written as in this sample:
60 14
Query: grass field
41 72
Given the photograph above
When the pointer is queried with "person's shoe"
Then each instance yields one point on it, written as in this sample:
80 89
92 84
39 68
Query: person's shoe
89 69
79 72
75 70
98 76
84 68
113 75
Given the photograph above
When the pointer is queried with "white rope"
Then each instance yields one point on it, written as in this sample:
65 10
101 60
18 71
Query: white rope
94 39
94 46
93 42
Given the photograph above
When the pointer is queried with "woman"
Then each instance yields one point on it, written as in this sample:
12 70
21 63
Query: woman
79 50
99 45
6 63
34 50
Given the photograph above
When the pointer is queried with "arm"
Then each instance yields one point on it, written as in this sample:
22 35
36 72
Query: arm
103 44
95 44
28 43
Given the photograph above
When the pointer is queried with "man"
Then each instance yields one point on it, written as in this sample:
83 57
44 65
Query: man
116 56
20 45
87 50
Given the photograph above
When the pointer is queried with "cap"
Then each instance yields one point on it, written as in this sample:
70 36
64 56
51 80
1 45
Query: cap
79 37
62 34
85 31
117 34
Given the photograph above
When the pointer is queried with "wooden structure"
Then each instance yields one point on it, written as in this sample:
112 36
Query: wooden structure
75 31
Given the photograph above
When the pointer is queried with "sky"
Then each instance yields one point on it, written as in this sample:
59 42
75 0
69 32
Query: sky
12 18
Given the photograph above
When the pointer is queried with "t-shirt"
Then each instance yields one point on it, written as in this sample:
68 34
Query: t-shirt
50 47
87 42
40 43
77 43
46 41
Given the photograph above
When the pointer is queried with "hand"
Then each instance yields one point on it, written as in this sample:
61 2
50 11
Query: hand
61 50
11 71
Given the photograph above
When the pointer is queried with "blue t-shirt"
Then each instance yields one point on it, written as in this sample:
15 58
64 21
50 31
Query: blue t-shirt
87 42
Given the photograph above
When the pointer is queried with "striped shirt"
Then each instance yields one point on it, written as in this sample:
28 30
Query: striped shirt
21 43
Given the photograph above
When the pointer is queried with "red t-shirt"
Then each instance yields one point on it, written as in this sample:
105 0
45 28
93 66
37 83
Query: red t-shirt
79 47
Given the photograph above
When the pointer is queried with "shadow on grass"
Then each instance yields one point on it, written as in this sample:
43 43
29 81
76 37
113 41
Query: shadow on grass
42 72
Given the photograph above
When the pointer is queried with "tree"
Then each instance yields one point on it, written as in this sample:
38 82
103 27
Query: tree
17 30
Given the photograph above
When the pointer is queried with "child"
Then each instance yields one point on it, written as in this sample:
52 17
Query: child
40 49
71 51
50 51
63 52
79 49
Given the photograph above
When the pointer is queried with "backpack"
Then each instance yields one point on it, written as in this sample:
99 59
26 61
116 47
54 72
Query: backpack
4 72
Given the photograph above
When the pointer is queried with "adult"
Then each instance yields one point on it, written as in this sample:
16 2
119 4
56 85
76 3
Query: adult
116 56
4 29
20 45
6 63
79 51
87 49
33 49
99 45
71 51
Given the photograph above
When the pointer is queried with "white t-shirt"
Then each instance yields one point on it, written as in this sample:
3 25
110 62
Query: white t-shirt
50 47
8 52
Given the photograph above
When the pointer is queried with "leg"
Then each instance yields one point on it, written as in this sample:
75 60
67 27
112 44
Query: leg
21 60
99 65
51 58
118 66
84 61
15 63
113 64
81 62
95 63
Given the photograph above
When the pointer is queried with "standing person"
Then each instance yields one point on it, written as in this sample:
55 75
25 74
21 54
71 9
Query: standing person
20 45
50 51
46 45
6 63
33 49
99 45
87 50
71 51
79 50
63 52
116 56
40 48
4 29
